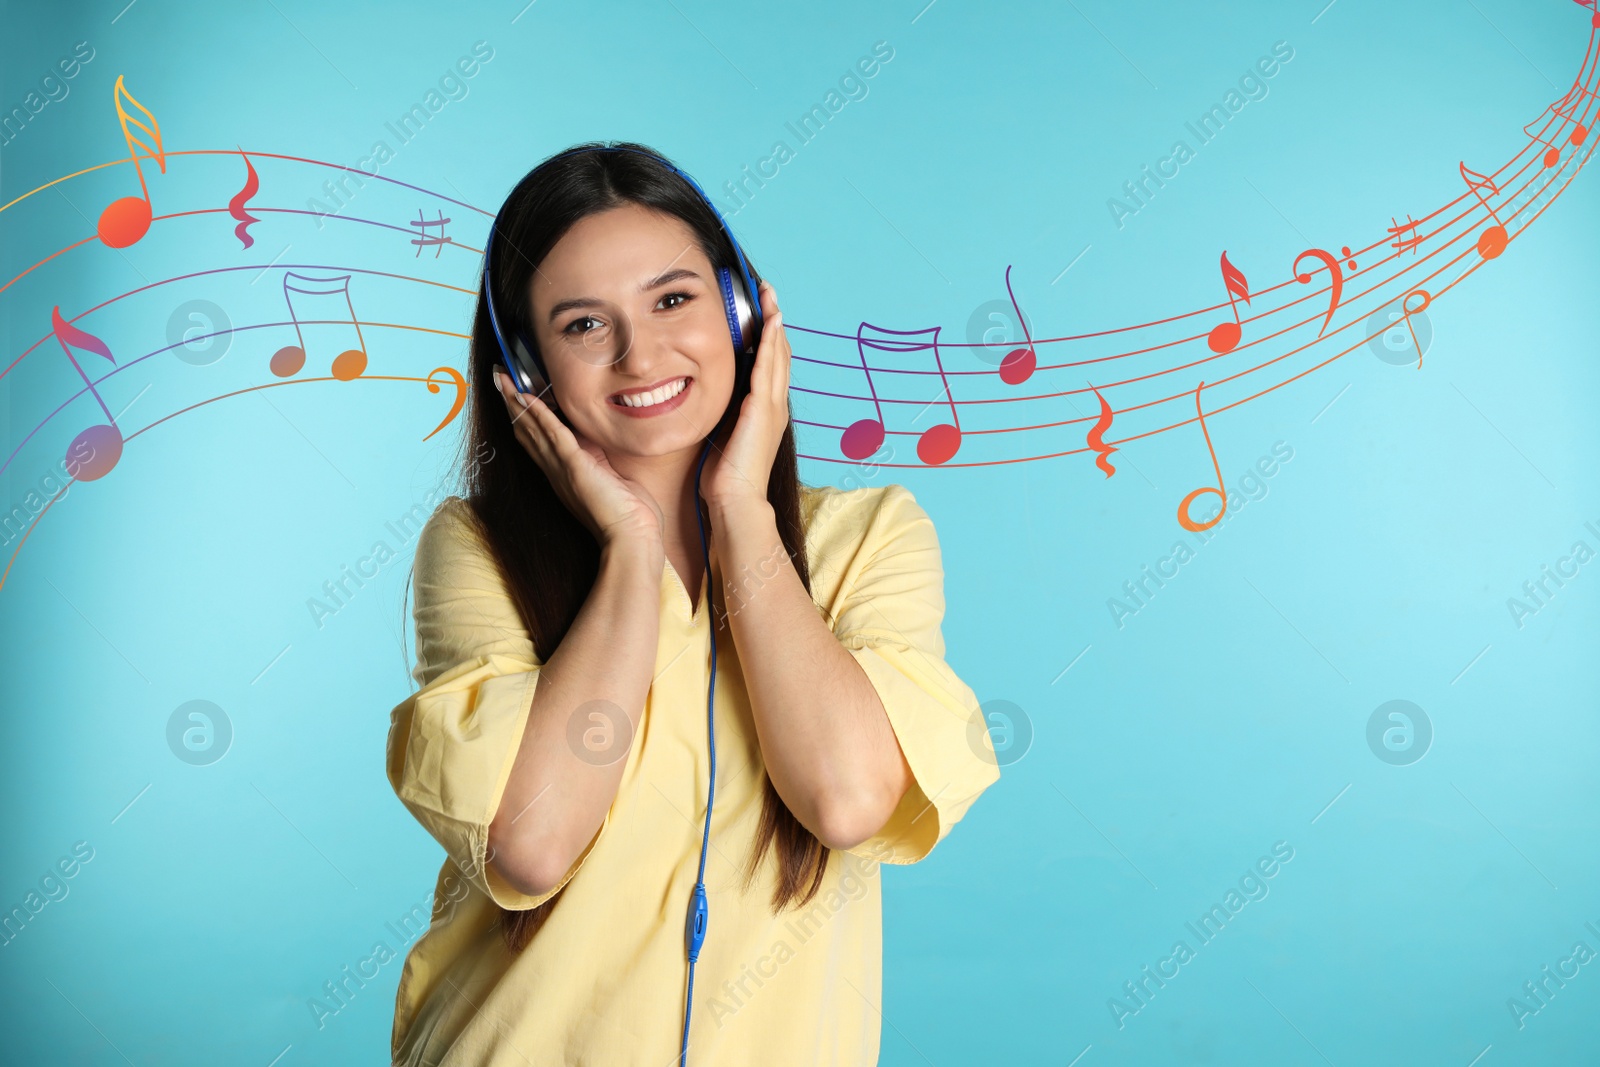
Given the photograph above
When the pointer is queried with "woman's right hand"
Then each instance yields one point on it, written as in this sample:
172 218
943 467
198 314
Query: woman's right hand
613 508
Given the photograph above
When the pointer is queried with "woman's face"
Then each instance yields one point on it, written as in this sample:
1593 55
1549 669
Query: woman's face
629 320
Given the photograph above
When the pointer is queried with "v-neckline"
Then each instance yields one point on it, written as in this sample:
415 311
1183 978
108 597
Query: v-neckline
683 587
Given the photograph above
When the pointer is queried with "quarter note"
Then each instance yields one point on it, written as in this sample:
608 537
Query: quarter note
288 360
103 440
1492 241
1220 490
125 221
1334 273
935 445
1019 363
1225 335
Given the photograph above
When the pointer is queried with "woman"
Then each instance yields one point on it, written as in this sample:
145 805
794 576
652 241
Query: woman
566 627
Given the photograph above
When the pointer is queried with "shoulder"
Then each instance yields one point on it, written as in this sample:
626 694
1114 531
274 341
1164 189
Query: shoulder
830 513
451 533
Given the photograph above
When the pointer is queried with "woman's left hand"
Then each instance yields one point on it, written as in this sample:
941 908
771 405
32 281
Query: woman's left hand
737 469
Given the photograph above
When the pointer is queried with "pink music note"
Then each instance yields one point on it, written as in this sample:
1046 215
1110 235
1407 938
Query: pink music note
1225 335
347 365
1492 241
935 445
1019 363
236 206
103 441
125 221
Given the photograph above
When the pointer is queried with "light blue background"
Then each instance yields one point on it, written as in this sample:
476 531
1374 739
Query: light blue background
1224 717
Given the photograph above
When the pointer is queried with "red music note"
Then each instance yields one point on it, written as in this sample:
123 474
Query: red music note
1097 436
1493 240
1018 364
288 360
125 221
1333 272
935 445
240 199
1224 336
104 441
1220 490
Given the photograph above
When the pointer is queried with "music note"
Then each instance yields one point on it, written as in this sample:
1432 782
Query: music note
1097 436
1567 108
288 360
423 240
1493 240
1225 335
1019 363
1408 311
240 199
125 221
461 393
935 445
1334 273
1403 243
104 441
1220 490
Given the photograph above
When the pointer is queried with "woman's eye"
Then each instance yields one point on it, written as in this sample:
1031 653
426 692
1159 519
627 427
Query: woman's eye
685 297
579 322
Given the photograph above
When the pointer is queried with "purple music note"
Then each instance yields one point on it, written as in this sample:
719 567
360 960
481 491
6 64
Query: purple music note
935 445
102 442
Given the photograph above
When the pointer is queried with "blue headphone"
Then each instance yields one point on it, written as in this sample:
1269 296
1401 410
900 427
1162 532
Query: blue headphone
740 300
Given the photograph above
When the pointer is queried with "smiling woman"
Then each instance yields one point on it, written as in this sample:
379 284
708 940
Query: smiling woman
587 649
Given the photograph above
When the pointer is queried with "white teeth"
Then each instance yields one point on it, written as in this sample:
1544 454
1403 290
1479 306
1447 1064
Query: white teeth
655 396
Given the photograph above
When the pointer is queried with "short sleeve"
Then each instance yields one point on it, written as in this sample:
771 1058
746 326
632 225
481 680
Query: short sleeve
888 615
452 743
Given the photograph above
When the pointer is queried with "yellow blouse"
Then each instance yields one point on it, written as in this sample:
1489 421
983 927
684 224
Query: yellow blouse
603 981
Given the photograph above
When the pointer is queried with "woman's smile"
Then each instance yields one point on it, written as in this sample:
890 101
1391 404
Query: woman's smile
651 400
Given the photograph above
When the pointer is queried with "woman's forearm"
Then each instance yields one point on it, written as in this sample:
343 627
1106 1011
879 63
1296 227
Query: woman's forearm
557 794
825 737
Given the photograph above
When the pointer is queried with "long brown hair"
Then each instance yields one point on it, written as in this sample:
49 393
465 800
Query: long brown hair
548 559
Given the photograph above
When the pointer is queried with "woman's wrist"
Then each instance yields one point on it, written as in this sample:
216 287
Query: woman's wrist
634 552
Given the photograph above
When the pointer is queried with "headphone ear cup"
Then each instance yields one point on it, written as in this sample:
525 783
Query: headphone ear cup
743 313
533 379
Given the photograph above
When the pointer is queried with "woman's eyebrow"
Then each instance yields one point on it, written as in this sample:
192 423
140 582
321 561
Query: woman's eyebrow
664 278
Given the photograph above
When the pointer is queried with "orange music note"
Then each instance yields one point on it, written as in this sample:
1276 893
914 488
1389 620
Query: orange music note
125 221
1402 243
1408 311
103 441
1334 273
1097 436
935 445
1567 108
1220 490
461 393
1019 363
1493 240
288 360
1225 335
